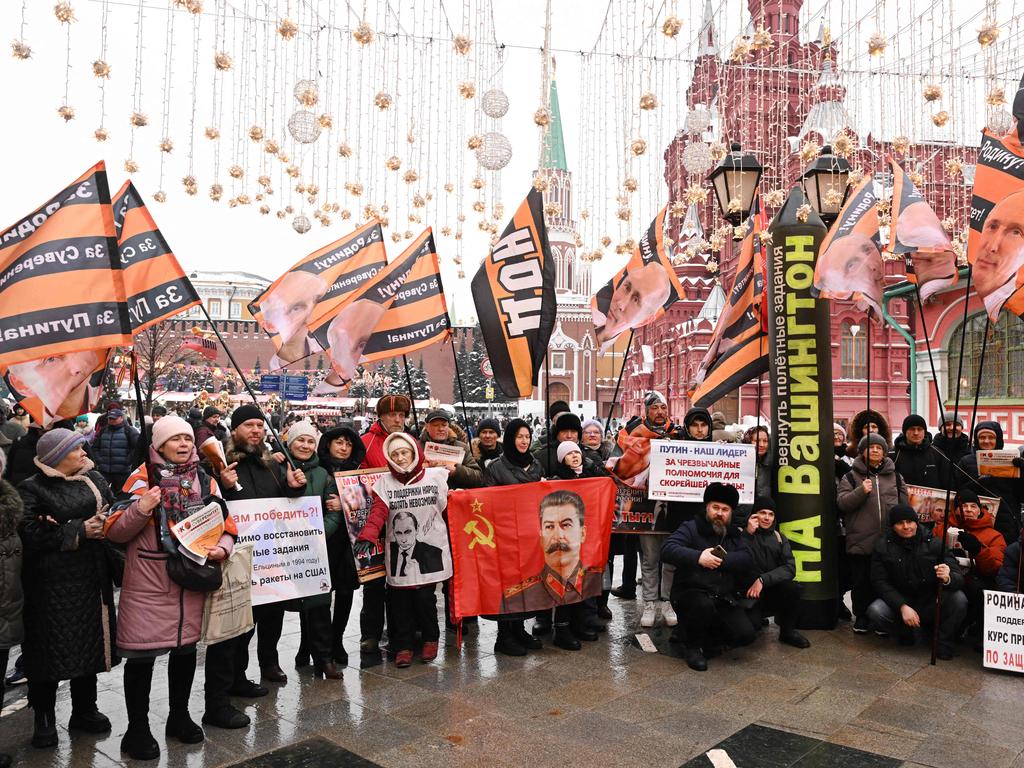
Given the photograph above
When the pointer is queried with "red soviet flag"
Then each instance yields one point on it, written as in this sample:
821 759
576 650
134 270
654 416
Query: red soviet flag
529 547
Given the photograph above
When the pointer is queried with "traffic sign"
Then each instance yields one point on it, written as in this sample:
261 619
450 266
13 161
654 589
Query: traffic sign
296 387
270 383
489 392
485 368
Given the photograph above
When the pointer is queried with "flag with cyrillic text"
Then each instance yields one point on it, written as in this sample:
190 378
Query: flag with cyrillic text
418 317
155 283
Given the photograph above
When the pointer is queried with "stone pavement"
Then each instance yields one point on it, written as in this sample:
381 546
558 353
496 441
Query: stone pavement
610 704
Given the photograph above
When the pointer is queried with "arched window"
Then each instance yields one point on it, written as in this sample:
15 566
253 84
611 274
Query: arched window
1003 367
853 351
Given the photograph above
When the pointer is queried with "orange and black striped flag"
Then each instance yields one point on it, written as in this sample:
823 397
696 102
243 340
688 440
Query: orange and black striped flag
739 345
995 245
314 288
60 288
345 331
916 233
514 294
641 291
419 315
154 281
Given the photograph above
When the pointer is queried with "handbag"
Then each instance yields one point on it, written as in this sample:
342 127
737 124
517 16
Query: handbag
228 610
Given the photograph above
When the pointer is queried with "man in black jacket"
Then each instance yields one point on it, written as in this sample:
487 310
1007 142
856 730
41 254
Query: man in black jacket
950 444
913 455
250 474
712 565
905 576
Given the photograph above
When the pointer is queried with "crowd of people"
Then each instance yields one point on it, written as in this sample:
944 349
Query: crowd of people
92 577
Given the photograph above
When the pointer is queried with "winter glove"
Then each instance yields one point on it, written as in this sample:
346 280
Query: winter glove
362 548
969 542
1018 462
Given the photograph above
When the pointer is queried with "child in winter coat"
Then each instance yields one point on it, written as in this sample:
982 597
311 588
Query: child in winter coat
572 464
411 501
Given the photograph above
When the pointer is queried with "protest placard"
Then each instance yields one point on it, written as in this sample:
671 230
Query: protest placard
998 463
682 469
355 490
200 531
634 512
1004 631
449 454
989 504
929 503
289 551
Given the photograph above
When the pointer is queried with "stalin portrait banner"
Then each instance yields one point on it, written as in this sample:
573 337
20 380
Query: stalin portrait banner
529 547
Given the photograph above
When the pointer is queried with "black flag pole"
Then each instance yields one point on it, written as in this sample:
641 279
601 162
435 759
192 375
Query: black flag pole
458 378
412 395
618 382
245 383
547 404
867 389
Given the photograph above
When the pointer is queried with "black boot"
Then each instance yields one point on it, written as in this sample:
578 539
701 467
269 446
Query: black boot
695 659
84 714
181 671
528 641
508 642
542 624
603 612
564 637
302 657
138 740
44 733
6 761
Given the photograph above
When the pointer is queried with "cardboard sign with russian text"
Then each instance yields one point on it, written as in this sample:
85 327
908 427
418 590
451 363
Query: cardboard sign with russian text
355 490
1004 631
289 551
682 469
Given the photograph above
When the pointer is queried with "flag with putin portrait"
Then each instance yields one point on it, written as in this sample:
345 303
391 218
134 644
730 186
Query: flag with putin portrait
62 300
641 291
529 547
916 233
849 264
995 244
314 287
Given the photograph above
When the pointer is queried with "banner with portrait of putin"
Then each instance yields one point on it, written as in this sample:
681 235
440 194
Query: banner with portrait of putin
154 282
529 547
849 264
916 233
418 316
345 329
315 287
641 291
995 244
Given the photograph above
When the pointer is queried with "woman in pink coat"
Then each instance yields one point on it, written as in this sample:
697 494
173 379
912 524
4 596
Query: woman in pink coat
158 615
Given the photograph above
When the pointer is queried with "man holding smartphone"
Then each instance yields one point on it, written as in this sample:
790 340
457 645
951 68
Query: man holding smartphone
712 565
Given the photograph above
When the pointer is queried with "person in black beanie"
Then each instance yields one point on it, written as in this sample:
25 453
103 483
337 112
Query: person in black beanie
912 453
774 589
486 446
904 575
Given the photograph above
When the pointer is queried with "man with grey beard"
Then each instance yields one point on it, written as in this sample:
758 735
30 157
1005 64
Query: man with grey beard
713 566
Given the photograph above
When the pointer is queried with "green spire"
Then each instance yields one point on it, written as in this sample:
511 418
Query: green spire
554 144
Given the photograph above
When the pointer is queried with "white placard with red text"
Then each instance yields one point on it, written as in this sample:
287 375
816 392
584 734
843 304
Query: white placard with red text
1004 631
682 469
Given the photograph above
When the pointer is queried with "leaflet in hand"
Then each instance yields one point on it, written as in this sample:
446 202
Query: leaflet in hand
998 463
199 532
447 454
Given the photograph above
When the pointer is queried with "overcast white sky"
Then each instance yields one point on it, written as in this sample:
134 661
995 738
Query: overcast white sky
44 153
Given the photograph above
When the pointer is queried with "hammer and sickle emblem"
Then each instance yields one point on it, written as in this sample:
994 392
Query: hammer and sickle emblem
479 537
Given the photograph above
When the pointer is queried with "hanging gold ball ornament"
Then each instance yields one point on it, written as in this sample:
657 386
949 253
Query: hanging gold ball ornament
624 213
166 145
160 196
494 103
843 144
190 184
552 209
715 242
293 171
996 97
418 201
345 214
671 26
809 151
477 183
932 92
287 29
21 50
542 117
677 209
762 39
901 144
955 167
630 184
446 231
775 198
697 158
540 183
410 176
354 188
478 206
101 134
698 119
344 150
461 44
301 224
264 209
66 112
395 237
243 199
877 44
856 177
695 193
138 120
256 134
803 212
236 172
383 100
216 192
449 187
917 178
303 126
638 147
222 61
940 118
734 206
718 152
988 33
326 121
65 13
307 93
212 133
130 166
584 214
740 50
467 89
606 241
280 214
648 101
475 141
100 68
363 34
833 198
393 163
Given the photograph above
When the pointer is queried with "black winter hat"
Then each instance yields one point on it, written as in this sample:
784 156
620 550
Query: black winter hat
967 496
913 420
900 512
211 410
722 493
763 502
438 413
567 421
557 407
244 413
488 424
